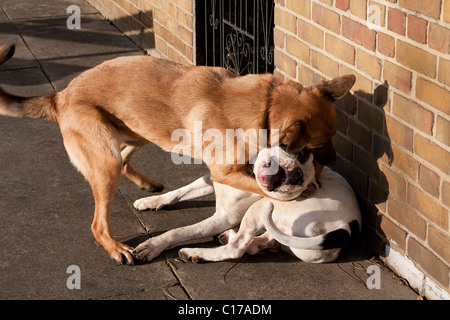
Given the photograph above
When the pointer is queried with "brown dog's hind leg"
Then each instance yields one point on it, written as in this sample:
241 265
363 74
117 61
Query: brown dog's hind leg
95 152
137 178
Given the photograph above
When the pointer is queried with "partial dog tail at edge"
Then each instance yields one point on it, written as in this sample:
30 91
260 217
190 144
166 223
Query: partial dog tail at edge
339 238
43 107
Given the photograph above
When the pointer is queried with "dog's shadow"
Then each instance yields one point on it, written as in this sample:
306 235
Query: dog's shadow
364 151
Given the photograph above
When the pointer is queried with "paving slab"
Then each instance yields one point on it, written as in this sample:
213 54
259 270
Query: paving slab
46 207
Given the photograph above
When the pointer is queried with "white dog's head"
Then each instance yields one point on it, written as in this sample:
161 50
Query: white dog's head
285 176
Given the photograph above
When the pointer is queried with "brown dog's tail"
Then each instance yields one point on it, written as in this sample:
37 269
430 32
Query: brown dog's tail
43 107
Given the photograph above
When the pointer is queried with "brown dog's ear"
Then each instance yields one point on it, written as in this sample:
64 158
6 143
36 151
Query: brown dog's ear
325 155
337 88
296 138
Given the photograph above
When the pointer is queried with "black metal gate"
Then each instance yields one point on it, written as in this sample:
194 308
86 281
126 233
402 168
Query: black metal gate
235 34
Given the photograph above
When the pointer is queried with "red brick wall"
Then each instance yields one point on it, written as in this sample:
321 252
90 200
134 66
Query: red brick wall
164 28
393 138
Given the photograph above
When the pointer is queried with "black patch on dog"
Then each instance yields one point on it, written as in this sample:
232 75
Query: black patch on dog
335 239
340 238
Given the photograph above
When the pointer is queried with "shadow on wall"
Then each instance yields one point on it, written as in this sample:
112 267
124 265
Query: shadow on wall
364 149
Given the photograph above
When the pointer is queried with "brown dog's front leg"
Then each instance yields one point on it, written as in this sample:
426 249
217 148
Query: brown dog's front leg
238 179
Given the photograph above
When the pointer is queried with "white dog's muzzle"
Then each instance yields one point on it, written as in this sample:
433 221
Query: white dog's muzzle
280 174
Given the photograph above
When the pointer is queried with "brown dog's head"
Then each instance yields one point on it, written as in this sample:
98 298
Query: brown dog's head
305 117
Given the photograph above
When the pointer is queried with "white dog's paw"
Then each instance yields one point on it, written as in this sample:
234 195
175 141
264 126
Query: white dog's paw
153 202
148 250
226 236
190 254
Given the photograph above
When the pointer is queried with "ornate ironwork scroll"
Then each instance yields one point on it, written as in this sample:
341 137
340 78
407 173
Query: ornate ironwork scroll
235 34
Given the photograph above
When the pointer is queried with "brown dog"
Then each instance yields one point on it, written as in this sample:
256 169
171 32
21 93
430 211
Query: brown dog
108 112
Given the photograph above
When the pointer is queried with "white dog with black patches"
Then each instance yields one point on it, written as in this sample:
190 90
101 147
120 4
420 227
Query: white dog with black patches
316 226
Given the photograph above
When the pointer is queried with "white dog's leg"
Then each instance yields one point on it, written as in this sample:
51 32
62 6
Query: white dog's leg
197 189
264 241
239 244
219 222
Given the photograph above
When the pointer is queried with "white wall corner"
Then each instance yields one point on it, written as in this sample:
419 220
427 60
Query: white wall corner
405 268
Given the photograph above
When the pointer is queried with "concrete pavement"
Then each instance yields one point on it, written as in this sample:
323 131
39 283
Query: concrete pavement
46 207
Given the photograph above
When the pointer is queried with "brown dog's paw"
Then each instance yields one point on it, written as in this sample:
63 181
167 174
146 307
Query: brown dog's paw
122 254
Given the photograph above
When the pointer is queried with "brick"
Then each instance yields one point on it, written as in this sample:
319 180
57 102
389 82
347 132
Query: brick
405 162
444 74
186 35
396 21
394 234
343 146
363 86
432 153
358 33
161 46
285 63
278 38
386 44
326 18
382 149
310 33
417 29
378 193
433 94
439 38
342 120
186 5
395 183
297 48
308 77
428 261
446 193
413 113
399 133
429 181
343 5
360 134
340 49
365 161
369 64
426 205
416 58
356 178
376 16
439 243
324 64
431 8
370 116
400 213
358 8
285 20
443 130
301 7
447 10
397 76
